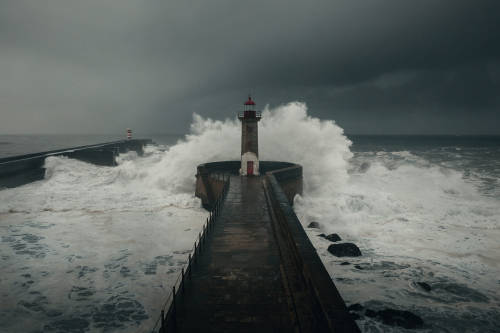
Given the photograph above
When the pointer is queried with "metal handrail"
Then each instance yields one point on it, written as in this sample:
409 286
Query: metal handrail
179 283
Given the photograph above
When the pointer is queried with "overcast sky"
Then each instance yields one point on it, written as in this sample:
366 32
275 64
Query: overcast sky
374 66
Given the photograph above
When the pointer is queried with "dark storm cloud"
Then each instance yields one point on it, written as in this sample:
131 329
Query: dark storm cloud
100 66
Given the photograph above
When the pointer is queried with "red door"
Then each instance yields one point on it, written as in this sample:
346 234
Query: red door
250 168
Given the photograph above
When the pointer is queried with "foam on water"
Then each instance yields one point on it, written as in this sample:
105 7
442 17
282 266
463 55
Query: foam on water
414 222
98 247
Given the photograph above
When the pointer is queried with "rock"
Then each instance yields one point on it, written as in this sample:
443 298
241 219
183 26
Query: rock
345 263
401 318
358 267
425 286
313 225
355 307
331 237
344 250
370 313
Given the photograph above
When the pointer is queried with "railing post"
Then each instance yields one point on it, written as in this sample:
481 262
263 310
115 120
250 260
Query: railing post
189 265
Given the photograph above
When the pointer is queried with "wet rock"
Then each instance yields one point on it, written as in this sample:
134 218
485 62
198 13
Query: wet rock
331 237
345 263
424 286
401 318
355 307
313 225
358 267
370 313
344 250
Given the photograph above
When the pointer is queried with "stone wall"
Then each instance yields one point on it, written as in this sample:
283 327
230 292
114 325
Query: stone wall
315 282
250 136
207 188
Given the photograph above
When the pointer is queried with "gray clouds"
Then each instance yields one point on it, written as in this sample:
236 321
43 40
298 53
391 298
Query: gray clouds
374 66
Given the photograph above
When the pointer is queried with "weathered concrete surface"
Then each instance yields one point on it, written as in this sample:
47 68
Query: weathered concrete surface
248 277
236 285
208 189
318 305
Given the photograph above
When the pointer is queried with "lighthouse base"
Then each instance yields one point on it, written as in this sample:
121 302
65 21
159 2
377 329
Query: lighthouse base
249 164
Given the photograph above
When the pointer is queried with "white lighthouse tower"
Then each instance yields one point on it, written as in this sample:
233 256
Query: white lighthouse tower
249 139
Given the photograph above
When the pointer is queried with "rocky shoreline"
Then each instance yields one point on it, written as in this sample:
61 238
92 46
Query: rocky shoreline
387 316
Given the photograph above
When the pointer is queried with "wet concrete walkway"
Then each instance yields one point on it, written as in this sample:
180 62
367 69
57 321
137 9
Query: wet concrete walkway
236 284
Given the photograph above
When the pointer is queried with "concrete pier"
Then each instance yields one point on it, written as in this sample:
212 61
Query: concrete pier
237 285
249 277
23 169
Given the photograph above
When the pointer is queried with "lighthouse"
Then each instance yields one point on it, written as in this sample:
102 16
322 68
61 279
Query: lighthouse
249 139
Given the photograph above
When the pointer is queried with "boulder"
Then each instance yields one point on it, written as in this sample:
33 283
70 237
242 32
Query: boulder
344 250
345 263
370 313
313 224
331 237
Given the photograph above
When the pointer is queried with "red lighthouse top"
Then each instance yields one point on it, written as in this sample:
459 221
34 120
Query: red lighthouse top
249 111
249 101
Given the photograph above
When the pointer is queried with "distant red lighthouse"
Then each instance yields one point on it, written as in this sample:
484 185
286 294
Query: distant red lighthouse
249 139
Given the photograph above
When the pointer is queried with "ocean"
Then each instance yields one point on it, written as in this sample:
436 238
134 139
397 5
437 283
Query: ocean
94 248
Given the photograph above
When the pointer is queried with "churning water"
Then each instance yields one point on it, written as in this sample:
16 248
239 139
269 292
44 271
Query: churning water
97 248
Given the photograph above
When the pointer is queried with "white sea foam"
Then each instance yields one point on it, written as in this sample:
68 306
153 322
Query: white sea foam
123 231
414 222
